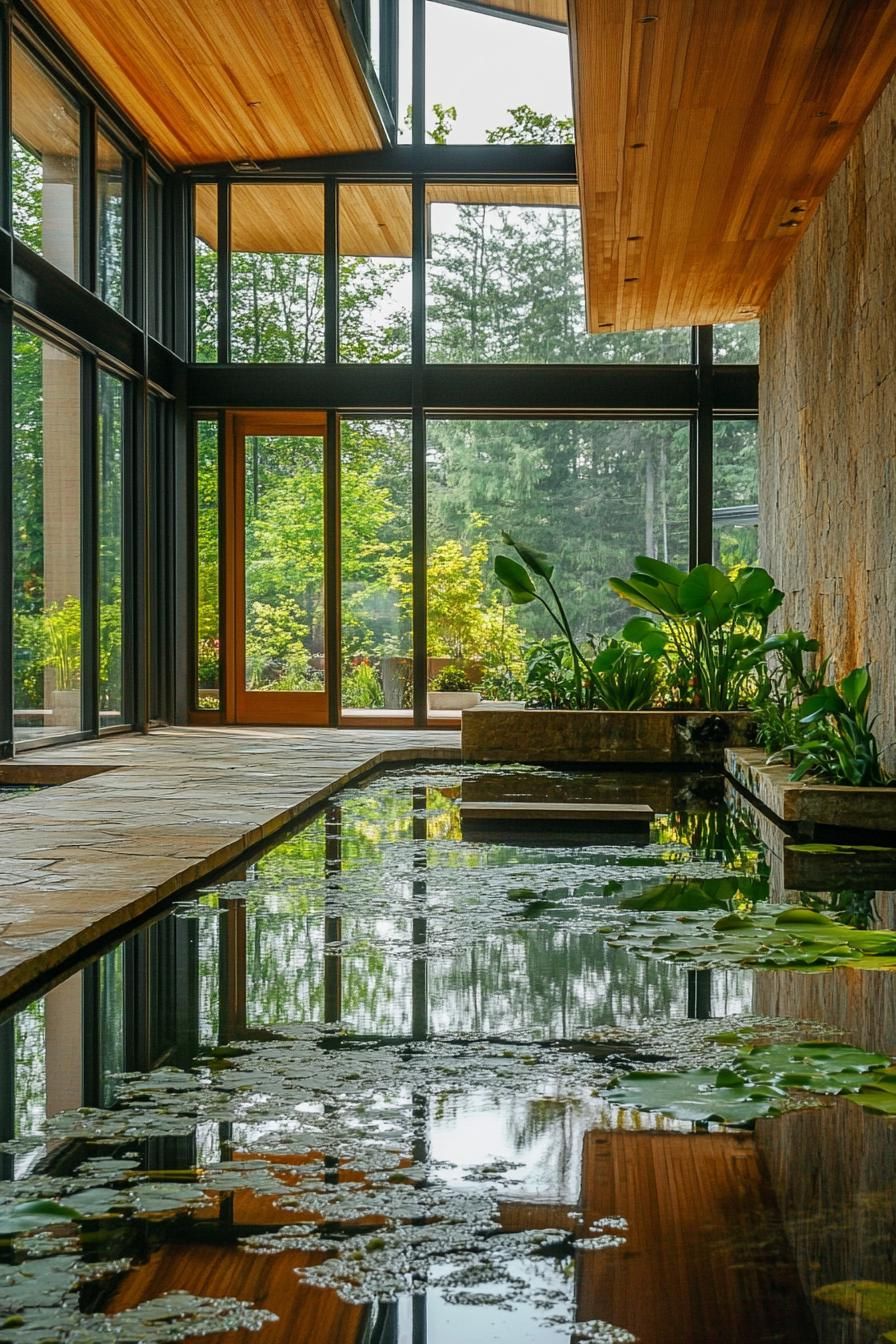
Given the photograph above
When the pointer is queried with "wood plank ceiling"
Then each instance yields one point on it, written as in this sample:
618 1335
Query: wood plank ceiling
707 132
549 11
212 80
375 217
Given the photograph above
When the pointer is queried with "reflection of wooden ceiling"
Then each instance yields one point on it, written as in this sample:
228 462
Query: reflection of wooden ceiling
707 133
208 80
375 217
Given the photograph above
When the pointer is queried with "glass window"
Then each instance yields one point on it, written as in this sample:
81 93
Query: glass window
591 493
46 538
111 451
377 646
735 492
277 273
506 282
46 151
284 562
110 213
375 272
736 343
491 79
156 287
405 113
205 273
208 622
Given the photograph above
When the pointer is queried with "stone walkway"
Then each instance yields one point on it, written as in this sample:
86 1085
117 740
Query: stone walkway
158 813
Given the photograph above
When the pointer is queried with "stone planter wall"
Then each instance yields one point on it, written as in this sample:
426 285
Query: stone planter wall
602 737
806 804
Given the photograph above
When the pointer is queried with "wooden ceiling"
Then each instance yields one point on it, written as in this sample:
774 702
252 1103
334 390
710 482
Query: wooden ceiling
210 80
707 132
374 219
551 11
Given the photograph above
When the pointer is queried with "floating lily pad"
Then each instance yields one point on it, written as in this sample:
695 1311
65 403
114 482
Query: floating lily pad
869 1300
770 937
757 1083
19 1218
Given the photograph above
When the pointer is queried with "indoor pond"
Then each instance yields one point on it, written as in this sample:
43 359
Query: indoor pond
389 1083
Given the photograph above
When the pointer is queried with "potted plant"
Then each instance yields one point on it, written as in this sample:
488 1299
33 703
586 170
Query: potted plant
452 689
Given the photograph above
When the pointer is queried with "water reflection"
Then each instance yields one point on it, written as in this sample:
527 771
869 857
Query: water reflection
393 1081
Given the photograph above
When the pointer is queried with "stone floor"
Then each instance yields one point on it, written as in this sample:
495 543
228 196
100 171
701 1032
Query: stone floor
81 859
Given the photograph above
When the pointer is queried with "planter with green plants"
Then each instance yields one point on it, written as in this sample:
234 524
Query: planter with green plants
452 689
673 688
825 767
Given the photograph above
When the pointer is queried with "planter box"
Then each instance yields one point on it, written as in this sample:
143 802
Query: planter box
602 737
452 699
808 804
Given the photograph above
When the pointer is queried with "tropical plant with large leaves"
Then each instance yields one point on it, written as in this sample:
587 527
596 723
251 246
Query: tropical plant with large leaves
838 743
711 626
560 673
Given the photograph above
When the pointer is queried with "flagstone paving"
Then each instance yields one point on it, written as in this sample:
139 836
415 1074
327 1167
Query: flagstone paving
79 860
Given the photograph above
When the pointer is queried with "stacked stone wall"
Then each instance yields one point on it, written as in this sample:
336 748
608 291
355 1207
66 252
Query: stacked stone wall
828 419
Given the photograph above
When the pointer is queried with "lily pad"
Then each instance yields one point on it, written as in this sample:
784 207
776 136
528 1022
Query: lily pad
757 1083
699 1095
866 1298
38 1213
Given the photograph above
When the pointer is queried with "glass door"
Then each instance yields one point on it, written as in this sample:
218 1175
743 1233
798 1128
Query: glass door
276 634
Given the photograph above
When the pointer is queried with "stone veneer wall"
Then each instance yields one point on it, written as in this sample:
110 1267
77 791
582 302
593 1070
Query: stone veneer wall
828 419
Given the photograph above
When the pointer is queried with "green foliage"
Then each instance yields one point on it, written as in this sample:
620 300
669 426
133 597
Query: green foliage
361 687
837 742
520 585
208 660
623 676
550 681
769 936
757 1083
712 626
452 679
785 680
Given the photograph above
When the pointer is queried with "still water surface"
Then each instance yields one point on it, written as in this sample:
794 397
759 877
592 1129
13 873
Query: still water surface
360 1092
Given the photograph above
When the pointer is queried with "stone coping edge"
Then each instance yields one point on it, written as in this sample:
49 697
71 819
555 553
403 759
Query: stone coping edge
49 965
807 803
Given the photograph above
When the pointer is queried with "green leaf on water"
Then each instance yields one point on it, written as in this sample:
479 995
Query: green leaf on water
757 1083
38 1213
866 1298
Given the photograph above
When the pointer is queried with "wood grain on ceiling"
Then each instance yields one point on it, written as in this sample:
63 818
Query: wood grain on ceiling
374 217
551 11
210 80
707 133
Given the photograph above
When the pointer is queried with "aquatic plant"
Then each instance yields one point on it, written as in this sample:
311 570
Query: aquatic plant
791 937
758 1082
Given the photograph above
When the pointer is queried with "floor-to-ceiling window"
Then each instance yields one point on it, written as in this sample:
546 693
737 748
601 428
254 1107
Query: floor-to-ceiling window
592 494
88 303
46 530
111 439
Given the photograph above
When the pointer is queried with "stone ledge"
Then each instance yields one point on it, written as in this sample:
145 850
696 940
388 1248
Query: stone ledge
145 818
807 804
653 737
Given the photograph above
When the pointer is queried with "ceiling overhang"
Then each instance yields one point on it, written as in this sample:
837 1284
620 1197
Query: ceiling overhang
707 132
374 217
227 80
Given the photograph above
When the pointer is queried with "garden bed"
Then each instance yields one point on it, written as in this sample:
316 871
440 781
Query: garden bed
807 803
602 737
